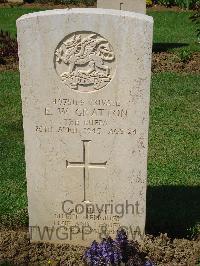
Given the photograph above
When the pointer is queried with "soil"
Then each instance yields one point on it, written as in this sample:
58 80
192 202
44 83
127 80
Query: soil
161 62
9 64
15 246
168 61
46 5
165 8
54 6
16 249
172 252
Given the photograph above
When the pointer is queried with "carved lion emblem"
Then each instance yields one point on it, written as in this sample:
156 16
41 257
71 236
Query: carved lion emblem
85 61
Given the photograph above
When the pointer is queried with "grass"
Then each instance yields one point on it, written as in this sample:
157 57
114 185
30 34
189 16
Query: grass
174 150
173 153
172 30
12 166
173 168
174 130
8 17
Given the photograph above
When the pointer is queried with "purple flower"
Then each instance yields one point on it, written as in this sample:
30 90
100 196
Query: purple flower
106 252
121 237
113 252
148 263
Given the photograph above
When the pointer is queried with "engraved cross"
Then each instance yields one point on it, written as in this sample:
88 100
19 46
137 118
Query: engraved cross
86 165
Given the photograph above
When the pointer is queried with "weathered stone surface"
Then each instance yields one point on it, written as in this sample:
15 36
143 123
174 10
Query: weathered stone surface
85 96
127 5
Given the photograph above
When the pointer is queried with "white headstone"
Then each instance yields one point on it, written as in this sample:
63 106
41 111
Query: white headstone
85 95
16 1
127 5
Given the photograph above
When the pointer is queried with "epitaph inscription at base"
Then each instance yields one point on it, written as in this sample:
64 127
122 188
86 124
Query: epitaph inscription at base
85 97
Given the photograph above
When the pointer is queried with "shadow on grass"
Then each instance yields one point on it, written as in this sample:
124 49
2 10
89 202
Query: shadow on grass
164 47
172 210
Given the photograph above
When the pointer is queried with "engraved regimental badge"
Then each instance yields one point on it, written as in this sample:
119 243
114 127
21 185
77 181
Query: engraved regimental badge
85 61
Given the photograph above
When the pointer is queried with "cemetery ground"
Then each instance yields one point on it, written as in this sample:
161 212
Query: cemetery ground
173 175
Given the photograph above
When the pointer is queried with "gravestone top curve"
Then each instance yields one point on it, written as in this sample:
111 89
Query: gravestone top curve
100 11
